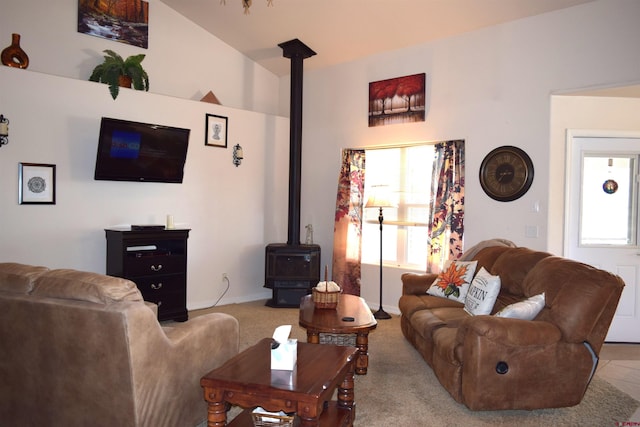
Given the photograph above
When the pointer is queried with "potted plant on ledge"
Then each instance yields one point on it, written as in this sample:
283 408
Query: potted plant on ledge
117 72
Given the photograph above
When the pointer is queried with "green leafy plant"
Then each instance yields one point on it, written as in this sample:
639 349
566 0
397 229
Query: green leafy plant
113 67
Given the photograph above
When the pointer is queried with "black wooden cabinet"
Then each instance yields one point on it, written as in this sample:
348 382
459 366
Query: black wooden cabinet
156 260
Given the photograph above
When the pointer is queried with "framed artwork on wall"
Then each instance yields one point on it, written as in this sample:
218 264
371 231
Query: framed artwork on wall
37 184
397 100
216 131
125 21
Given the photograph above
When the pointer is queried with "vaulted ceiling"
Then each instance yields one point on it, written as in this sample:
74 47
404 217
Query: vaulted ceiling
344 30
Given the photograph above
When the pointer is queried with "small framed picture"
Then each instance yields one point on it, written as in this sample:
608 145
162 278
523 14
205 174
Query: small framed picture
216 134
37 184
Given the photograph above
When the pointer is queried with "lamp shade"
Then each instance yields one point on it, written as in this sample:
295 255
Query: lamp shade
380 198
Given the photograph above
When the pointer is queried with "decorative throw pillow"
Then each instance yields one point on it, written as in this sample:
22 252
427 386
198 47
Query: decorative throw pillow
482 293
453 282
525 310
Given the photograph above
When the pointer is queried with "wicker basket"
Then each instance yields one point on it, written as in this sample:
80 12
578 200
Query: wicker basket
272 420
325 299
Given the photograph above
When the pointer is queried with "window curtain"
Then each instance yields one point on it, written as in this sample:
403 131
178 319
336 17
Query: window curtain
446 226
347 231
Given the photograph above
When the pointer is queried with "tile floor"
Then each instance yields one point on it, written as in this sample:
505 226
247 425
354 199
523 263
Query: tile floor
620 366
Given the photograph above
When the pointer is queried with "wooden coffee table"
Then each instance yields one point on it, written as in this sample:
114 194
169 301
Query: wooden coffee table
247 380
330 321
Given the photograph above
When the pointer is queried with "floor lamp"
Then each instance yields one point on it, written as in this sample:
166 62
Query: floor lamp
380 200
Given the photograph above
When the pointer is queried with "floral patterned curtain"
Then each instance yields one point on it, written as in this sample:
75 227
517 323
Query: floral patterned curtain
446 226
347 231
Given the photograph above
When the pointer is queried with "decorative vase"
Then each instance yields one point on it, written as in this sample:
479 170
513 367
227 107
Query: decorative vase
14 56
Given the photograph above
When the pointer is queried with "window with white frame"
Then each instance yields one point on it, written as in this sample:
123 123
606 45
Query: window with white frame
406 173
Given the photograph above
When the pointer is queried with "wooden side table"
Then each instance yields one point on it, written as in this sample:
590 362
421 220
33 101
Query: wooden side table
247 380
329 321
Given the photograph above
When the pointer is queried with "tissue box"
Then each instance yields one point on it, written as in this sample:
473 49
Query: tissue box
285 356
284 379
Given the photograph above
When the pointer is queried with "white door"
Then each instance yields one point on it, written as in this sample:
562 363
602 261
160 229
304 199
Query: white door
602 225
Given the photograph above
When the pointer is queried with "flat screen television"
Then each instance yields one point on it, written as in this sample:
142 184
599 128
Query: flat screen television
142 152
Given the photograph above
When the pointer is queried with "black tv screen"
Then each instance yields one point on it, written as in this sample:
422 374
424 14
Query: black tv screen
143 152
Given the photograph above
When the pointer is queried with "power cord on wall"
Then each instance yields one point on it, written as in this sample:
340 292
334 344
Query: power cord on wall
225 277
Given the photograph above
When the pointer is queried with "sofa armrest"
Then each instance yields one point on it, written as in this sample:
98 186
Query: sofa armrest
510 332
416 284
207 341
169 363
152 306
205 332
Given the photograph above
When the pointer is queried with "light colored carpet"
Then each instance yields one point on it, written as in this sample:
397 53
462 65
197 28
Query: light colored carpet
400 389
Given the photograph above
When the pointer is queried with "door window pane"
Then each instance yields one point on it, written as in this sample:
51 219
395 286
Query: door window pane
608 200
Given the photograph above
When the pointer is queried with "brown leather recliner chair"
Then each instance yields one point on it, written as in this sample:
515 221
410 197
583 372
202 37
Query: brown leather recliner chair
83 349
490 363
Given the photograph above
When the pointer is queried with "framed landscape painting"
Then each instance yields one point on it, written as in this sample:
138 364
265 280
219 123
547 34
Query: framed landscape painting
397 100
125 21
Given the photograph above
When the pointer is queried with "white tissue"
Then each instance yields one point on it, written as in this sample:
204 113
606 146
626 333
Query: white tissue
285 355
281 334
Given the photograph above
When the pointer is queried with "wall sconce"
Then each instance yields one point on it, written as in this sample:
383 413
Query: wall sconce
4 130
238 155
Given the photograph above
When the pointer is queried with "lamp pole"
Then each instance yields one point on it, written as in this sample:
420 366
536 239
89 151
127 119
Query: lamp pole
381 314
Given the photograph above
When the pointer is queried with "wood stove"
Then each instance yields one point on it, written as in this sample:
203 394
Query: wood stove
292 269
291 272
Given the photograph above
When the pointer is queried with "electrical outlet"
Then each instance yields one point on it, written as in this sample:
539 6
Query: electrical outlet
531 231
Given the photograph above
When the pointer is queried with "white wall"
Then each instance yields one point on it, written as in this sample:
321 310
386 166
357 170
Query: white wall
490 87
182 60
56 120
55 116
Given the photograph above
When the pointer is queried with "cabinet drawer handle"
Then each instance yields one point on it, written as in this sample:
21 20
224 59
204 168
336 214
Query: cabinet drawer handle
158 268
156 287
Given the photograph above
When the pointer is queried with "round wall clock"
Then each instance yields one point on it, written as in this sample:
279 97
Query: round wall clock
506 173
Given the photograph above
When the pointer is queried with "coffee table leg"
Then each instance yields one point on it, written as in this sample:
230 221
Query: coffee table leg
313 337
216 408
346 395
362 362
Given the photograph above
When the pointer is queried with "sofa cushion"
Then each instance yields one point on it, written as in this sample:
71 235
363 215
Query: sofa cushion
488 256
410 304
505 299
85 286
482 294
453 282
513 266
525 310
19 278
416 283
427 321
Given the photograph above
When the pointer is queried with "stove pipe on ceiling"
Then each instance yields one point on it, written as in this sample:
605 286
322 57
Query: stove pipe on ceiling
297 52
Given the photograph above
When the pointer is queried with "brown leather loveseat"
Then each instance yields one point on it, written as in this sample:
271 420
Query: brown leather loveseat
488 362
